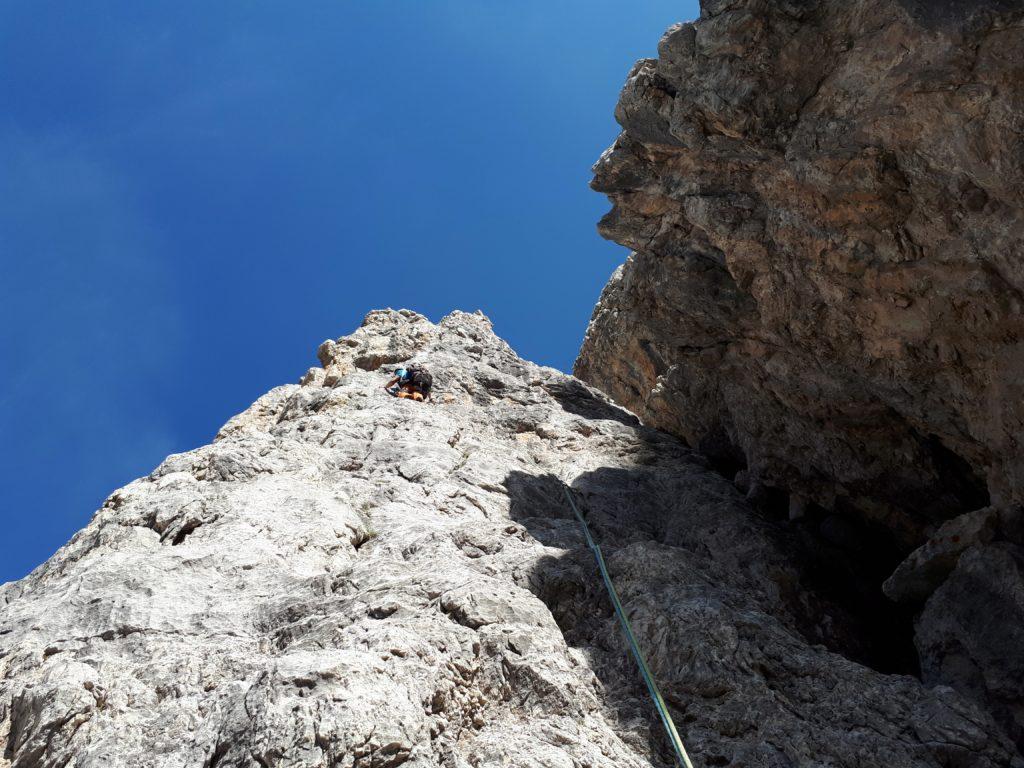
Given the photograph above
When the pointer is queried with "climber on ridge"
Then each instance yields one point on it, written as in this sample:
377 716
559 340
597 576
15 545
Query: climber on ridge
414 383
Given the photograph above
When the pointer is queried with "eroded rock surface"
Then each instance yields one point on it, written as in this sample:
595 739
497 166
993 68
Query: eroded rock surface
928 566
824 200
346 579
971 631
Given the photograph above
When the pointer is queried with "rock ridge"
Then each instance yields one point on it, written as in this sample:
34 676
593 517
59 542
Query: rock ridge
345 579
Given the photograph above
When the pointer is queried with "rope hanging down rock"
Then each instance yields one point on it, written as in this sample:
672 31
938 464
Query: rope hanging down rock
652 687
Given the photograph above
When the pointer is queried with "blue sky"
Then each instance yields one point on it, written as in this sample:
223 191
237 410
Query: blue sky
193 195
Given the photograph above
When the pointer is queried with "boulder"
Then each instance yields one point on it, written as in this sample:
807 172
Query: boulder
929 565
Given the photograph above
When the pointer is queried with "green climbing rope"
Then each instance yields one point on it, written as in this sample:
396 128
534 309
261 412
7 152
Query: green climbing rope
652 687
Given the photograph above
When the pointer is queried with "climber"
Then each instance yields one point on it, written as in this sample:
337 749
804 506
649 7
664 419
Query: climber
414 383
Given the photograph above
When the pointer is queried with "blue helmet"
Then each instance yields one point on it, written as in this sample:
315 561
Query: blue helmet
401 373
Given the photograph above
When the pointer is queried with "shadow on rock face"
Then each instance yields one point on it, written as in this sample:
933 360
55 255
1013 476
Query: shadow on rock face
936 14
571 587
846 560
961 487
727 615
577 399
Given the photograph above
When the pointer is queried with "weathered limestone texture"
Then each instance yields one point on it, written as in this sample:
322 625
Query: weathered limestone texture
346 579
825 200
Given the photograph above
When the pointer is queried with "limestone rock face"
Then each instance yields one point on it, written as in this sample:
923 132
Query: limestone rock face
824 199
346 579
825 203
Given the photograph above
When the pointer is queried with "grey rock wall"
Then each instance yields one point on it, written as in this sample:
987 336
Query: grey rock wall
344 579
824 203
824 200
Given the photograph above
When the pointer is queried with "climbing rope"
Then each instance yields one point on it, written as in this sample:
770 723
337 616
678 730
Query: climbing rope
652 687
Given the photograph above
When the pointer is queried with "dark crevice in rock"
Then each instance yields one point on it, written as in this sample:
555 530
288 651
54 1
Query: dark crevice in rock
725 457
963 487
576 398
187 528
846 560
841 561
770 501
362 538
218 754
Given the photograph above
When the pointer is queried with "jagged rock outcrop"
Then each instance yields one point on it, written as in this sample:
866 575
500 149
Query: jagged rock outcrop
928 566
825 199
346 579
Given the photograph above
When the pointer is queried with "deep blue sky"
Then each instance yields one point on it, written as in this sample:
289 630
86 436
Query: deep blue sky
193 195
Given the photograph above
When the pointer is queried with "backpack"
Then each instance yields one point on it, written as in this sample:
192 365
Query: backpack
420 378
